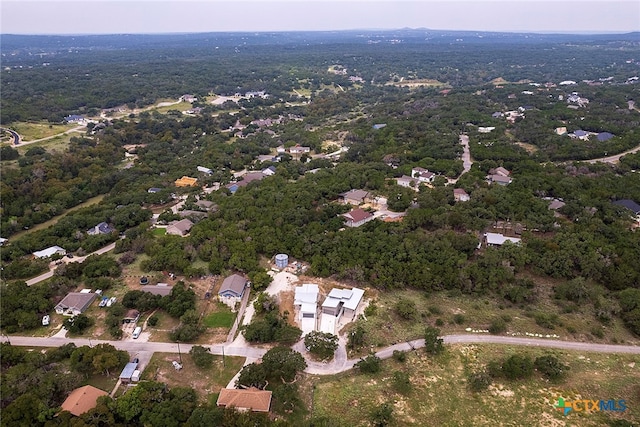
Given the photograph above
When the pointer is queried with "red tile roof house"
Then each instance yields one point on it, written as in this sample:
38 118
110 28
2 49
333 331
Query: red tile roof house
82 400
357 217
251 399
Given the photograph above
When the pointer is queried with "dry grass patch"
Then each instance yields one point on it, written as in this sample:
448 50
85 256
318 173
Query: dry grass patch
439 394
30 131
204 381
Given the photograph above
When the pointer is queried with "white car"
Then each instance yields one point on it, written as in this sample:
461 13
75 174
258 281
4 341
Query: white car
177 365
46 320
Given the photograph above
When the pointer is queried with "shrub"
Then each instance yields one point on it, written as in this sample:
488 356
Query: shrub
458 319
399 356
546 320
401 382
153 320
498 326
550 366
517 367
369 364
406 309
479 381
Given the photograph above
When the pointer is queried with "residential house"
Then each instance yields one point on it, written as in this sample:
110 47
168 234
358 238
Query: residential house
357 217
298 149
555 204
342 302
306 301
154 190
232 289
630 205
75 303
206 205
102 228
499 171
186 181
250 399
131 316
49 252
188 98
82 400
580 134
485 129
204 170
561 130
162 289
270 171
497 239
497 114
379 126
460 195
407 181
422 175
246 180
354 197
74 118
498 179
194 216
604 136
180 228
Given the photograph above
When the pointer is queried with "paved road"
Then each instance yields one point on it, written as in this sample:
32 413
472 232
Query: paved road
614 159
340 362
14 134
52 266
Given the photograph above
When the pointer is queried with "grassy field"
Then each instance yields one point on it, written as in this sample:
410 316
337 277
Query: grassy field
220 319
182 106
455 314
57 143
439 395
204 381
31 131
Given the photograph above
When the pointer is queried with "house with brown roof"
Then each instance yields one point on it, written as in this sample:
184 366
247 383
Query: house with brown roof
161 289
354 197
422 175
75 303
459 195
82 400
186 181
180 228
251 399
357 217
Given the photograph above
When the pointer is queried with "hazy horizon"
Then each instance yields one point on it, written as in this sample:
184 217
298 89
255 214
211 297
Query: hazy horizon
108 17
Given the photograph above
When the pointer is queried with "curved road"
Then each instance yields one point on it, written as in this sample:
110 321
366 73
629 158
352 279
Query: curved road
340 363
614 158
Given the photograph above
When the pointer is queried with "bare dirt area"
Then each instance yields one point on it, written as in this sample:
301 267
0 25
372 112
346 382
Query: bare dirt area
530 148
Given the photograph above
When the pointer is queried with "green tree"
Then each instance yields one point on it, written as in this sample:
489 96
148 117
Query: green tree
479 381
550 366
78 324
201 356
283 363
401 382
433 344
517 367
321 344
406 309
252 375
382 415
370 364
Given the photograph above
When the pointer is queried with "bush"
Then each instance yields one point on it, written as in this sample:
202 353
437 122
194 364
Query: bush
517 367
546 320
401 382
153 320
201 356
498 326
321 344
406 309
382 415
78 324
439 322
479 381
550 367
369 364
399 356
458 319
371 310
433 344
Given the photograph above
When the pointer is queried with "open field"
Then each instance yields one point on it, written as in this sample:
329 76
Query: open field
30 131
411 83
204 381
439 395
182 106
455 313
57 143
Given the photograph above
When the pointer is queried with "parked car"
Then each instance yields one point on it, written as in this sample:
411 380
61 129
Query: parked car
103 302
111 301
46 320
177 365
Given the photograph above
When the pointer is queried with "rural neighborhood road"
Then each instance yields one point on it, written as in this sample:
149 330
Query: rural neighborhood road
340 363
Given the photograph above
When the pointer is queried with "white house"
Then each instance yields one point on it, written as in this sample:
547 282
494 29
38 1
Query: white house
497 239
204 170
357 217
407 181
46 253
422 175
342 302
459 195
306 301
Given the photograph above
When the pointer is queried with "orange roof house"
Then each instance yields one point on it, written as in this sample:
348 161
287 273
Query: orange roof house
251 399
186 181
82 400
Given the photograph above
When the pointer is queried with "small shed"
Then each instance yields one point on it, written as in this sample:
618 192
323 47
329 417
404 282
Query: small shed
127 372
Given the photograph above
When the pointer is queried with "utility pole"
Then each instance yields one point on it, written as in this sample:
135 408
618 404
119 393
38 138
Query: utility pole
223 364
179 354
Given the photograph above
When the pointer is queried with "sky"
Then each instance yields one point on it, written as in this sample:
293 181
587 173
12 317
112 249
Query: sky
179 16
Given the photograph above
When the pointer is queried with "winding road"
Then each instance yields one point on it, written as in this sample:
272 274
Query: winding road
340 363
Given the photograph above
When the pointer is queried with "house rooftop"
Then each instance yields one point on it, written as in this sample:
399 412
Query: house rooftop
629 204
358 215
82 400
252 399
499 239
45 253
234 283
161 289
